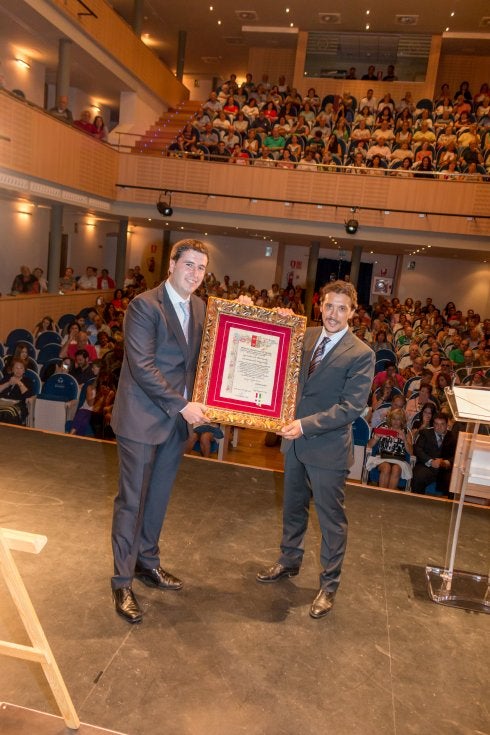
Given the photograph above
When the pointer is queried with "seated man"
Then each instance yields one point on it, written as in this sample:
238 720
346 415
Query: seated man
470 365
408 360
89 280
209 137
274 143
61 110
434 449
83 370
380 149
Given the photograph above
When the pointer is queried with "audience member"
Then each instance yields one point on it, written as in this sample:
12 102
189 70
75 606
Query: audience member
25 282
435 448
61 110
68 282
394 443
15 389
89 280
85 123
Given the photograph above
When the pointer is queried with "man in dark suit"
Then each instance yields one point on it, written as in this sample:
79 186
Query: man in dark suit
335 379
151 417
435 448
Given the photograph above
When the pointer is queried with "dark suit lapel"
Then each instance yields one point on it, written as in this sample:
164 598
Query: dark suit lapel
173 322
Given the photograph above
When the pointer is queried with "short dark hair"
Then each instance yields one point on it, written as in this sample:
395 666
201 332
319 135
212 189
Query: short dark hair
82 352
341 287
179 248
442 416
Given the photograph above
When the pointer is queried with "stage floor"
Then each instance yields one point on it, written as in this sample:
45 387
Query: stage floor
226 655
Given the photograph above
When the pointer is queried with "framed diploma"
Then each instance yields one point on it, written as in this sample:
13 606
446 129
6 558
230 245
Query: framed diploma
248 368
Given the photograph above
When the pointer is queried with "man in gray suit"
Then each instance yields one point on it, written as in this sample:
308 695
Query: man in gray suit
335 379
151 417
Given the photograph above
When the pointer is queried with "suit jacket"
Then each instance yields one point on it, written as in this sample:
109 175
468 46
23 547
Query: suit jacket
331 399
158 365
426 446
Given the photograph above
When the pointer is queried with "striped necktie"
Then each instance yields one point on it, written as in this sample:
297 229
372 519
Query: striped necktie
317 356
185 306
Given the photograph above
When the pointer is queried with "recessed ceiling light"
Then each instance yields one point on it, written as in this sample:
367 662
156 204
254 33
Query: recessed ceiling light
367 26
287 10
219 22
452 14
447 28
291 25
211 7
367 12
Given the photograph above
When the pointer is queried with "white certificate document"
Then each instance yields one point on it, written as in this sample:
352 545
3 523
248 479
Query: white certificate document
250 366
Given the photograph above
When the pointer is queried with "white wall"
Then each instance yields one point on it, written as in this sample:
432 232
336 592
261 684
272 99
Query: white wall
135 116
200 86
89 242
462 281
236 257
24 239
15 76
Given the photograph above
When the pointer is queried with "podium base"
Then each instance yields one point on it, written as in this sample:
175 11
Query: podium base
465 589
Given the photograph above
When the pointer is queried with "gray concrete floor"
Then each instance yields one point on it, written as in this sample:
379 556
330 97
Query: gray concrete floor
226 655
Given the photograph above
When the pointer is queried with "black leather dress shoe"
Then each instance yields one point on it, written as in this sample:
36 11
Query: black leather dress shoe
322 604
126 605
276 572
158 578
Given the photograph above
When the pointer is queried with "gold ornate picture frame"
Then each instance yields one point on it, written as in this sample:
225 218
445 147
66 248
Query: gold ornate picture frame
248 368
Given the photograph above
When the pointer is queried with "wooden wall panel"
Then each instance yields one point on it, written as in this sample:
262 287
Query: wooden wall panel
116 37
455 69
43 147
272 61
27 311
337 192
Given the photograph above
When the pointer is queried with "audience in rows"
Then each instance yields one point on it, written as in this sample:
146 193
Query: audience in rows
420 350
260 124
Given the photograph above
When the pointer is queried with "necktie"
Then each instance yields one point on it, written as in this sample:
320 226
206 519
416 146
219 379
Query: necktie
317 356
185 306
439 439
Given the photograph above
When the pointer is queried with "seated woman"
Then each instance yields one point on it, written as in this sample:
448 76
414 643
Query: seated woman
45 325
416 404
424 420
384 394
15 389
393 443
380 340
425 170
231 108
21 353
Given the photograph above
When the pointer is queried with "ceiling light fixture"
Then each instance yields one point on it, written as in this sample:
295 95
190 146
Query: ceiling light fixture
351 226
165 208
23 63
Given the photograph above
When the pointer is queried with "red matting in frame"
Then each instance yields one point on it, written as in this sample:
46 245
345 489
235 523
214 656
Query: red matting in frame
225 323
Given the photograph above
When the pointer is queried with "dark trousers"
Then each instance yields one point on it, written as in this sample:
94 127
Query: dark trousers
424 476
146 477
327 488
